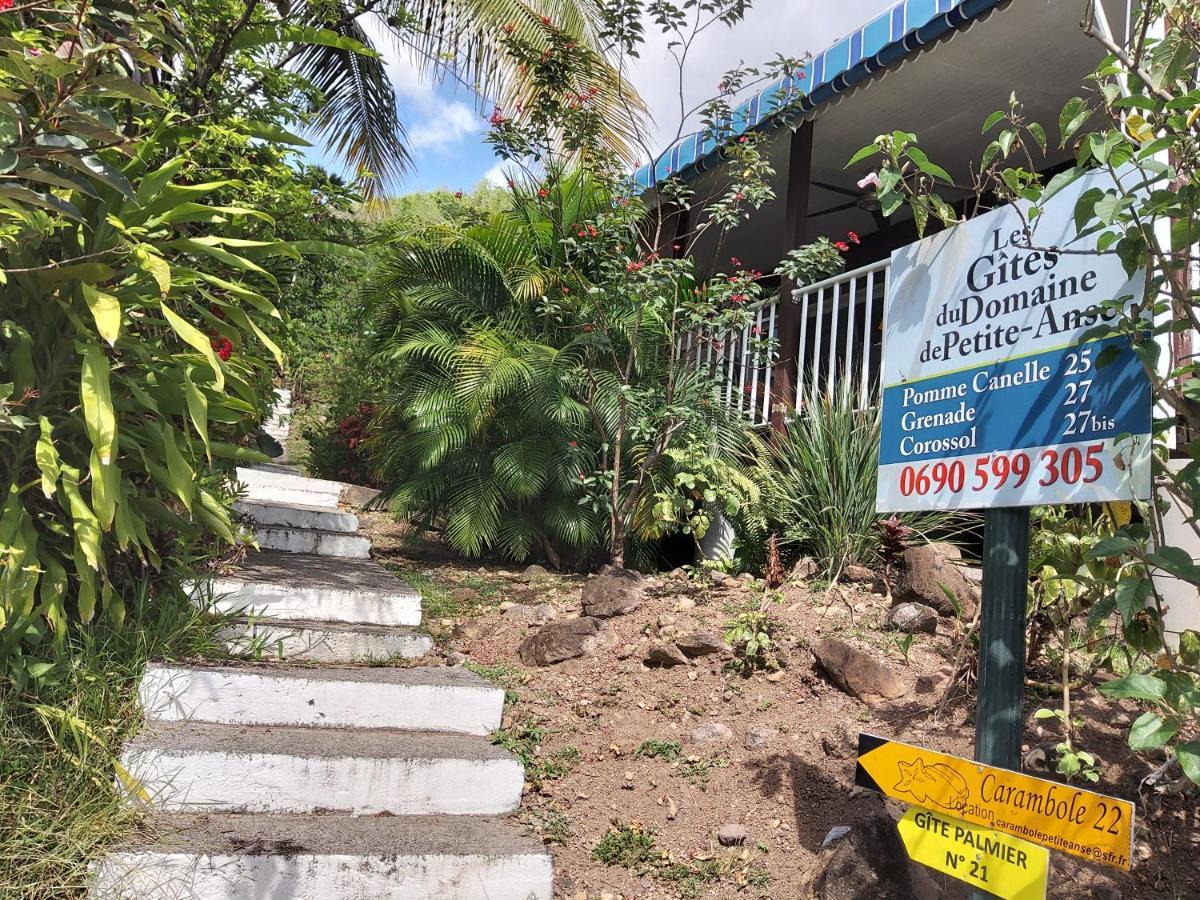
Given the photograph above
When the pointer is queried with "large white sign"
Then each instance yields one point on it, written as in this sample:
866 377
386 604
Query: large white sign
990 396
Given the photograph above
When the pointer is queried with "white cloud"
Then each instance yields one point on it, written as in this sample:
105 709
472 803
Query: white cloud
447 125
498 175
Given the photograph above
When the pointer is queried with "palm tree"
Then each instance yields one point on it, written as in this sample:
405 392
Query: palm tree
482 431
339 48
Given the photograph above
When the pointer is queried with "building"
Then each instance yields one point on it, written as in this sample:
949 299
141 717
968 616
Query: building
937 68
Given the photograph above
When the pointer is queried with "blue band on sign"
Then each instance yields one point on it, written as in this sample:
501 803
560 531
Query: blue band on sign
1032 401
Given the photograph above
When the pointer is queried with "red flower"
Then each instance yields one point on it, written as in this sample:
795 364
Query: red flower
743 139
497 118
842 245
592 231
511 183
853 236
737 298
223 346
652 257
545 20
581 233
587 329
565 289
739 196
458 195
510 28
634 267
572 444
542 192
6 5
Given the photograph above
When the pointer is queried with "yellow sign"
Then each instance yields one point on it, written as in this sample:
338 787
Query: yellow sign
1008 867
1058 816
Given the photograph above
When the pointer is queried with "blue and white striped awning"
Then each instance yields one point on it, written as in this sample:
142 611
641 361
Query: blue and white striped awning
886 39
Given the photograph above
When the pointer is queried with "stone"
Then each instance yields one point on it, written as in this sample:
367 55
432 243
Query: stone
948 550
913 618
718 577
937 682
560 641
838 744
465 595
683 604
806 567
732 835
711 733
700 643
924 575
523 612
866 860
454 658
858 574
759 737
665 656
857 673
532 572
612 593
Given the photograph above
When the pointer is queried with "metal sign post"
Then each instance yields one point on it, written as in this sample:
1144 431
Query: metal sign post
998 714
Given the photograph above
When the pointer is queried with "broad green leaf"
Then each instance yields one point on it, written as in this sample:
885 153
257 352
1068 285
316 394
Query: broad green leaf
85 597
106 310
157 267
153 184
88 271
118 86
87 527
1152 730
865 153
196 339
297 34
269 131
327 248
221 255
47 457
1116 545
96 396
1189 759
197 403
239 317
215 516
1139 687
1175 561
104 481
180 476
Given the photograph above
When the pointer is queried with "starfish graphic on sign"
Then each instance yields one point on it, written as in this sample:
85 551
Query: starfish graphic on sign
932 785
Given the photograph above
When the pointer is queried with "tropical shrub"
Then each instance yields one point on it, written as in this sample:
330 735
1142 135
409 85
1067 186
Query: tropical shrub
818 482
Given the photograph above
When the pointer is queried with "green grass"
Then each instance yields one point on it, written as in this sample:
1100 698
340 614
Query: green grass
59 807
502 675
436 602
668 750
524 741
699 771
631 846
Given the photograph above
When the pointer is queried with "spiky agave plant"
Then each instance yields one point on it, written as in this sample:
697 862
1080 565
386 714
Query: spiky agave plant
819 481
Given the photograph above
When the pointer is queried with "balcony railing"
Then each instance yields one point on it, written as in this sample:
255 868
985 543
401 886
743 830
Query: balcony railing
841 330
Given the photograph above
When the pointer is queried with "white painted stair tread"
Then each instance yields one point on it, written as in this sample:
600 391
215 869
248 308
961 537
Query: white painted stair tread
297 515
316 641
284 484
234 856
302 586
227 768
418 699
314 542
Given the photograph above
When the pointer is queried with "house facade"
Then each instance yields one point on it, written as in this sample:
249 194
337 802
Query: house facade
936 68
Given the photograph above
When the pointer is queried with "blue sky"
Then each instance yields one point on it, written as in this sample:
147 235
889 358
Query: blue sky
445 128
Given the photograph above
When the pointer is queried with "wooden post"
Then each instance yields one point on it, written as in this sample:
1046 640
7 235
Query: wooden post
795 232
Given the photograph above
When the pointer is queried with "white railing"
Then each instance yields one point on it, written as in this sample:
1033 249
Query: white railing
840 342
840 333
740 362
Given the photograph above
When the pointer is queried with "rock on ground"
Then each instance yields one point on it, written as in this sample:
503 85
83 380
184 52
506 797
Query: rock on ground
806 567
732 835
913 618
857 673
712 733
759 737
665 656
561 641
700 643
926 571
616 592
868 860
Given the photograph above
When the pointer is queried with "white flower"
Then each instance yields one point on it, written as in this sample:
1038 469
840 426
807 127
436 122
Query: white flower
872 180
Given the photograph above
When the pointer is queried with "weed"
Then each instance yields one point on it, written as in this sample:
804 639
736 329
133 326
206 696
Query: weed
631 846
501 675
436 600
551 827
668 750
904 645
750 636
524 741
698 770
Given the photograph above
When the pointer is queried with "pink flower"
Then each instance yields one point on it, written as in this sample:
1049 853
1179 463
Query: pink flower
497 118
572 444
853 237
511 183
634 267
872 181
737 298
842 245
734 261
739 196
510 28
743 139
756 331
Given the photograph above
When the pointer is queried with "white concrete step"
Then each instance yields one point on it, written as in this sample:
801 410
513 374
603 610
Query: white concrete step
285 586
364 772
414 699
313 541
238 857
284 485
283 515
312 641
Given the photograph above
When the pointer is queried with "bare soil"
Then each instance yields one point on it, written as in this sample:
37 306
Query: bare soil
592 714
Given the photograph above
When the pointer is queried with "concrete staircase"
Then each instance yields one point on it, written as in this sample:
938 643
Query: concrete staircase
319 767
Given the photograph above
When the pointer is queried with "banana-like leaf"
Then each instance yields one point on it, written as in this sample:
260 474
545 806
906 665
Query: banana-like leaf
96 395
105 309
196 339
47 457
